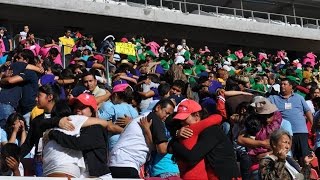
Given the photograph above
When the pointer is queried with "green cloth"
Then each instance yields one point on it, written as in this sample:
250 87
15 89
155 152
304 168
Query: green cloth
232 57
132 58
258 87
187 55
187 71
142 57
252 82
232 72
165 65
199 68
293 78
150 53
301 93
248 69
299 73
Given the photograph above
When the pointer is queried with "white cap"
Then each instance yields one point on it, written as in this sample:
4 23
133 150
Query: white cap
227 68
179 47
116 57
179 60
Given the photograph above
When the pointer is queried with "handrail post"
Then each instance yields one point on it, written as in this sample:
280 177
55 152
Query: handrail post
199 8
269 20
317 23
234 12
146 3
301 19
180 6
285 19
14 43
63 56
160 3
107 70
217 10
252 15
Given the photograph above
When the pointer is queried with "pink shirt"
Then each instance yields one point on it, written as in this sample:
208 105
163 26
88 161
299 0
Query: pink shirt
239 54
280 54
2 47
44 52
310 57
262 56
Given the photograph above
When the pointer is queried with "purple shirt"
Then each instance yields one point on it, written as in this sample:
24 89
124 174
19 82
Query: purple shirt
214 86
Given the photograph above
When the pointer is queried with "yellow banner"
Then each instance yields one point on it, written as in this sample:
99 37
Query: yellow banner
125 48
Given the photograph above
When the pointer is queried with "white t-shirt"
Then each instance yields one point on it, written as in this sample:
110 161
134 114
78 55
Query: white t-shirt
131 150
55 155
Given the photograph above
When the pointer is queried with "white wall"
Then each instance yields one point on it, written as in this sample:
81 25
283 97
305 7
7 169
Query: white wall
167 16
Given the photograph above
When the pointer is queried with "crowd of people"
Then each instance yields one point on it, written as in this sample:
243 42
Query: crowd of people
170 111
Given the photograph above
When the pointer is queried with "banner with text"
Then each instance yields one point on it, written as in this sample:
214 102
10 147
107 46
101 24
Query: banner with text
125 48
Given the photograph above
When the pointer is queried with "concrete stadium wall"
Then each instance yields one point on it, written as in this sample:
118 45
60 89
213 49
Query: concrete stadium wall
158 15
52 16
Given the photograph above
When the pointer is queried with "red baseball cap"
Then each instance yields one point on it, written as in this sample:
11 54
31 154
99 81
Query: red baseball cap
120 88
86 99
99 58
125 40
186 108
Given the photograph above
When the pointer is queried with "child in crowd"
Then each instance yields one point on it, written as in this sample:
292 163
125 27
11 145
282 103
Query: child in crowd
10 164
150 84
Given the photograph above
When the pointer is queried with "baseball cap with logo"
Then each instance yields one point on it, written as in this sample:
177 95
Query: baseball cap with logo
85 99
186 108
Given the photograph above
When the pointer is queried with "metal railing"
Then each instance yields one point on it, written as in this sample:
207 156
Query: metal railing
223 12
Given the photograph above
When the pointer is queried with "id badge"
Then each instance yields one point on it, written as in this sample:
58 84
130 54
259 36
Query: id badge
287 106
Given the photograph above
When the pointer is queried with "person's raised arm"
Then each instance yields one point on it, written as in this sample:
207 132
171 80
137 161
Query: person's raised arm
145 126
251 143
147 94
35 68
11 80
106 124
91 138
128 79
234 93
204 145
103 98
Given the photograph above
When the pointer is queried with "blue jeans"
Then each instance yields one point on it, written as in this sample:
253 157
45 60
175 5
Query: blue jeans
5 111
225 128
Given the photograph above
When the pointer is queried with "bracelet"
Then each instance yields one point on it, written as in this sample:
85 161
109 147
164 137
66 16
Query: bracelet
177 133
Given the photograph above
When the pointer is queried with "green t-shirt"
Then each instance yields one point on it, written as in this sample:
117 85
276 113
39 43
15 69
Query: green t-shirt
248 69
165 65
150 53
132 58
187 55
258 87
293 78
199 68
299 73
232 57
232 72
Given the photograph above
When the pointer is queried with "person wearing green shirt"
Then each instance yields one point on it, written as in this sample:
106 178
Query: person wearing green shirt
230 56
165 64
259 86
